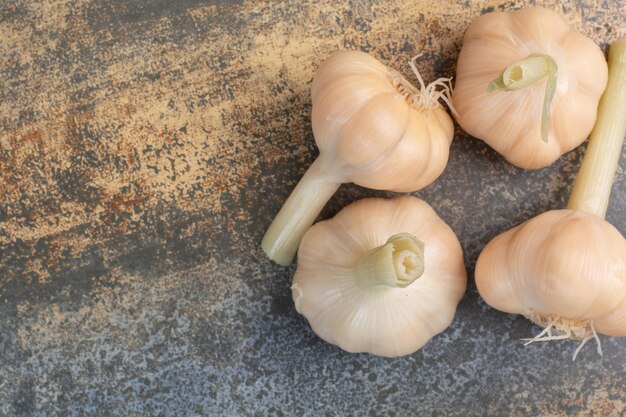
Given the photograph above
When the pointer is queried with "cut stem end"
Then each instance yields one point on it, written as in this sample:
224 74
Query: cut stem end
526 72
397 263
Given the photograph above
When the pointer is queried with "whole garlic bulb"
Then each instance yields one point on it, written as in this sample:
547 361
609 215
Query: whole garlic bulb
372 128
567 267
526 56
382 276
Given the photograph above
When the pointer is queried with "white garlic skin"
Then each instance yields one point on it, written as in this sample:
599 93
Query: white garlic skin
368 132
384 321
564 263
510 121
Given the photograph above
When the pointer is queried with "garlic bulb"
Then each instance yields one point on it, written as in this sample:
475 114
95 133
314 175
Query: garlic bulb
565 266
372 128
565 270
382 276
524 76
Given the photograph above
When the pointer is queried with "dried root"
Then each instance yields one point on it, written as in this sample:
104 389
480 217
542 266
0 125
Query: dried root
428 96
583 330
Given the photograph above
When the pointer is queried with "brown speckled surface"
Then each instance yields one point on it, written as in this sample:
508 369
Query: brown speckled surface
145 147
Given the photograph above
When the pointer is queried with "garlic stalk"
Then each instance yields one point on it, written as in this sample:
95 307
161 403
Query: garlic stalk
382 276
520 81
565 270
594 181
373 128
298 214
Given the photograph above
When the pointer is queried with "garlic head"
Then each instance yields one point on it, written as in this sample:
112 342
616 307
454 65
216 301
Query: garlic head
564 267
524 76
382 276
376 129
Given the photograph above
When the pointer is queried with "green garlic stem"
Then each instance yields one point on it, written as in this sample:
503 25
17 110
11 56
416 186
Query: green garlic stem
526 72
305 203
594 181
397 263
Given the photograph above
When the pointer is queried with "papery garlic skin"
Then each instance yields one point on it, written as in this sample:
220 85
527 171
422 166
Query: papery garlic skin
510 121
372 128
562 263
383 320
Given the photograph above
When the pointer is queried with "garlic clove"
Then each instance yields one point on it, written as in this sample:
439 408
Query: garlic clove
420 155
566 125
346 63
540 25
379 124
502 293
526 153
335 243
613 324
338 103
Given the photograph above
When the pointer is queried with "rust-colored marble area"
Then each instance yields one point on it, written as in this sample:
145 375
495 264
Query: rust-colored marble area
145 147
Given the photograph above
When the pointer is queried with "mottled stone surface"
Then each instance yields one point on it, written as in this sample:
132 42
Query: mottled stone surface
144 148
